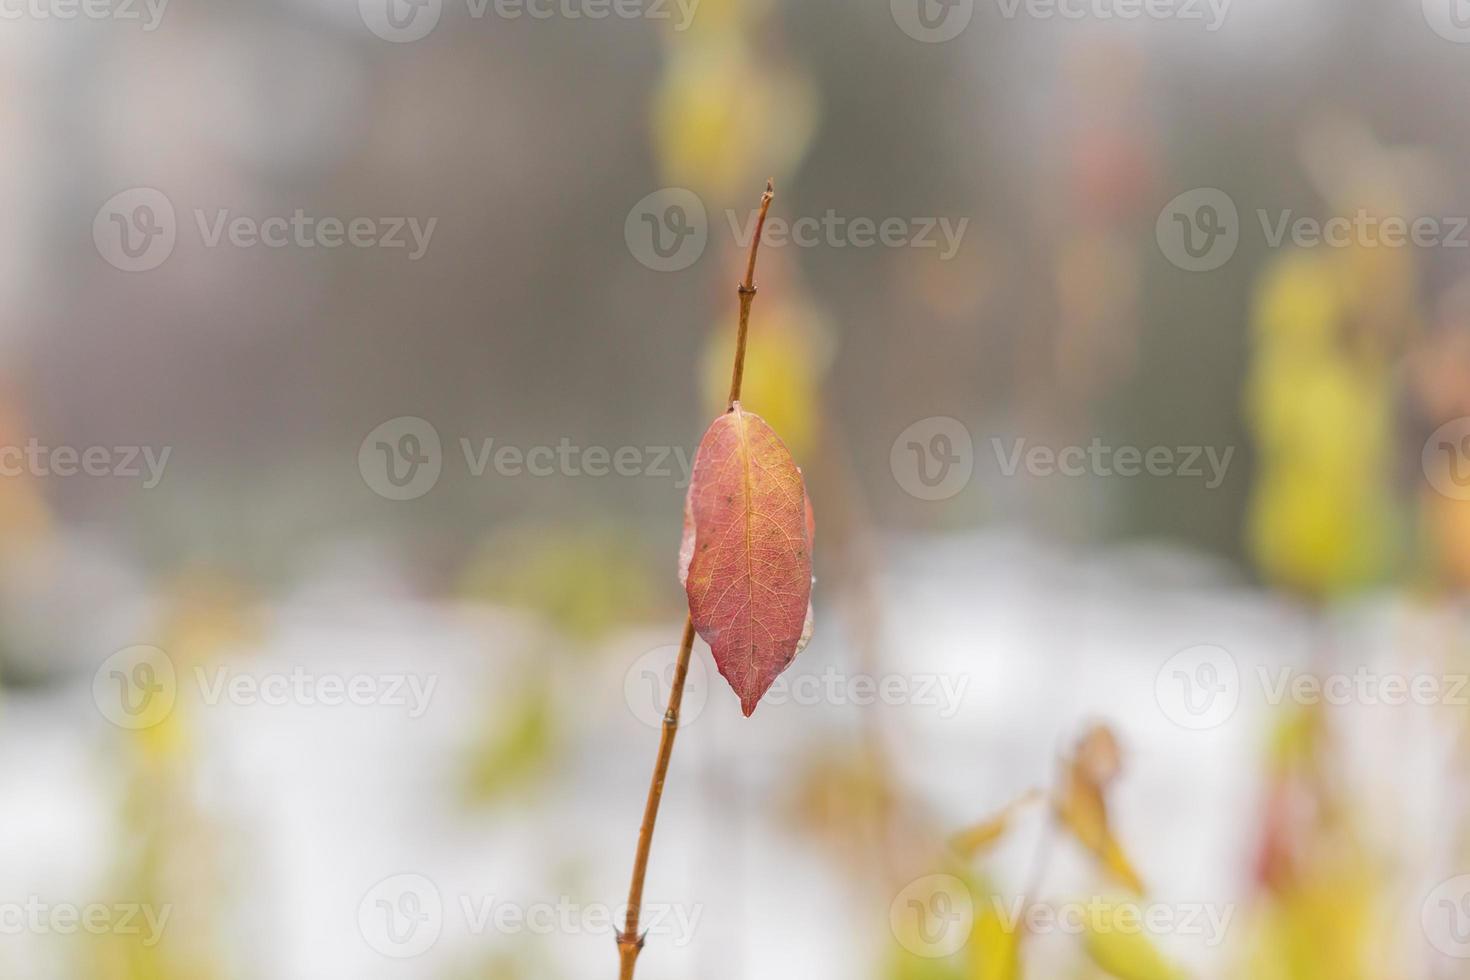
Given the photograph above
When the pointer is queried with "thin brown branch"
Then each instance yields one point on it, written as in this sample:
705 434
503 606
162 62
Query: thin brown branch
630 943
747 294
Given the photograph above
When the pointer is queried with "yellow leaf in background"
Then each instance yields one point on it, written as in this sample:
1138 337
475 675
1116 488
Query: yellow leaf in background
785 361
1320 403
1081 807
515 748
584 581
904 965
1115 940
723 121
1331 926
1299 301
995 951
975 840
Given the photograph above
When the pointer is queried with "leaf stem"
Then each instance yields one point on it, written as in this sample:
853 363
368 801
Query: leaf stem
746 290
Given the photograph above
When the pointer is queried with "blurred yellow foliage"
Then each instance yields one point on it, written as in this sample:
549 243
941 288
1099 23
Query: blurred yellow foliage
1320 519
786 358
1115 941
723 120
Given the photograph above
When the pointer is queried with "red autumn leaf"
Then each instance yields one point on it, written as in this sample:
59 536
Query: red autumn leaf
746 558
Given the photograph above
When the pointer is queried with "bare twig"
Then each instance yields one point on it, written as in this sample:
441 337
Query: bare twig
630 943
747 295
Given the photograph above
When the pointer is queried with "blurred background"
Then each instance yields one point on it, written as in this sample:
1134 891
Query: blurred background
353 356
